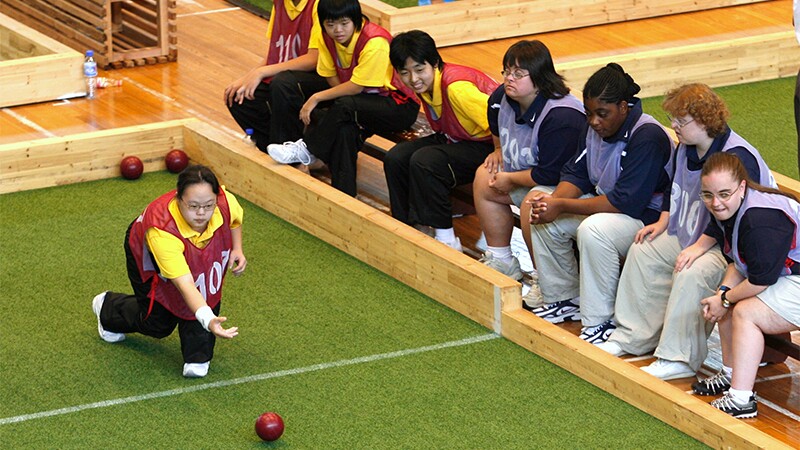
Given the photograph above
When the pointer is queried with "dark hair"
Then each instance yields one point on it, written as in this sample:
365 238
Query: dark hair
196 174
534 57
730 163
341 9
417 45
703 104
611 85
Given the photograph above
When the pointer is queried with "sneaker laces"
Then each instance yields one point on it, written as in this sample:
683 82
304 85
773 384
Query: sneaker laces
300 151
727 403
717 381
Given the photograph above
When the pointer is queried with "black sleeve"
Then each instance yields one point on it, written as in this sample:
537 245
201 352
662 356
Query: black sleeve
643 172
493 109
765 238
558 140
575 170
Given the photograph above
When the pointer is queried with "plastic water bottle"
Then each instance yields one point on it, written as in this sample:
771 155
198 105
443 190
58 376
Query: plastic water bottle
424 2
248 137
90 73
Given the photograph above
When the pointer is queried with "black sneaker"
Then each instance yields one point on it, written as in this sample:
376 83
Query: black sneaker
728 405
713 385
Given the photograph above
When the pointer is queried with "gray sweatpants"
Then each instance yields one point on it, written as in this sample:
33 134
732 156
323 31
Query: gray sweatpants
603 239
657 308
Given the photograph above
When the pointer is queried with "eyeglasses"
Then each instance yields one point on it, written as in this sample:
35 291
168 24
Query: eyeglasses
676 123
514 74
723 196
194 207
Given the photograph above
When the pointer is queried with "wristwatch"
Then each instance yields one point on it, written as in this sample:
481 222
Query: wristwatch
723 295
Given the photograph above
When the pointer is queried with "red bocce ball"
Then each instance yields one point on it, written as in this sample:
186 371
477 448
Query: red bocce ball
176 160
269 426
131 167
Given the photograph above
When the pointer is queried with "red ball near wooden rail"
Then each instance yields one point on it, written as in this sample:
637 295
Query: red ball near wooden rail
269 426
176 160
131 167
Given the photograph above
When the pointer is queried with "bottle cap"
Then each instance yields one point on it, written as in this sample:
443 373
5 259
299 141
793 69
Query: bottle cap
89 52
248 131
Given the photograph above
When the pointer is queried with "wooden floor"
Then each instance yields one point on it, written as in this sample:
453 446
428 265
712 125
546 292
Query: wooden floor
193 86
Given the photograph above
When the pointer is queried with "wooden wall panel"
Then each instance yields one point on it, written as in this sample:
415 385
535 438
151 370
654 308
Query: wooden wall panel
466 21
55 71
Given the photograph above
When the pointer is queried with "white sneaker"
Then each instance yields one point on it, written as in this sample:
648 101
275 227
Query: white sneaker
108 336
611 347
291 153
455 245
195 370
669 370
511 269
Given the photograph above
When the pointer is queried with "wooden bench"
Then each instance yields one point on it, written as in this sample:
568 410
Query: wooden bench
377 146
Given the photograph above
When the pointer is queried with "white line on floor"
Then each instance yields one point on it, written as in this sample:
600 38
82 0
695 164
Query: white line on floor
28 122
212 11
250 379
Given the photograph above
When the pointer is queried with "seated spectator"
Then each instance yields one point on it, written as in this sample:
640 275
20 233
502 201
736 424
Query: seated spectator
365 95
293 27
609 191
536 125
757 228
421 173
658 299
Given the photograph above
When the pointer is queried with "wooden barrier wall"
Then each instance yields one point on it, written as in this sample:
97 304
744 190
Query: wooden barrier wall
413 258
466 21
43 70
718 63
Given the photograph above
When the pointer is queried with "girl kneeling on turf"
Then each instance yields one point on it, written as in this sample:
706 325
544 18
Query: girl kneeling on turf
178 251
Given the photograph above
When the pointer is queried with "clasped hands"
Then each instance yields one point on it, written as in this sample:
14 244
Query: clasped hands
544 207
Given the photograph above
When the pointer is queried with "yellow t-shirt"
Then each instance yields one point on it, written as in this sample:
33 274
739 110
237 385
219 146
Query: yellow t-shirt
468 102
293 11
167 249
374 68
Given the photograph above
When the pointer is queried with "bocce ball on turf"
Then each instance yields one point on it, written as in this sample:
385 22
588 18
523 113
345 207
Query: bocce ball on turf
269 426
176 160
131 167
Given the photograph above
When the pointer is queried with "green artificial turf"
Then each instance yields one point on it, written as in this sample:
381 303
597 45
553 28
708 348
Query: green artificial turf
301 302
763 114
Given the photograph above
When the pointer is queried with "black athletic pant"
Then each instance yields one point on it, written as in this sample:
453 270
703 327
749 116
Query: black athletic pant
288 93
421 173
124 313
338 130
255 114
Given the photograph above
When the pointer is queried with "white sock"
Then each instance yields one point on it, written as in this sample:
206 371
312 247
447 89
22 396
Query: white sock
501 253
445 234
727 371
740 397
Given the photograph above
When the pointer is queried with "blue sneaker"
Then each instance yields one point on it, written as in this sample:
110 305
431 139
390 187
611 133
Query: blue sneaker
559 311
598 333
